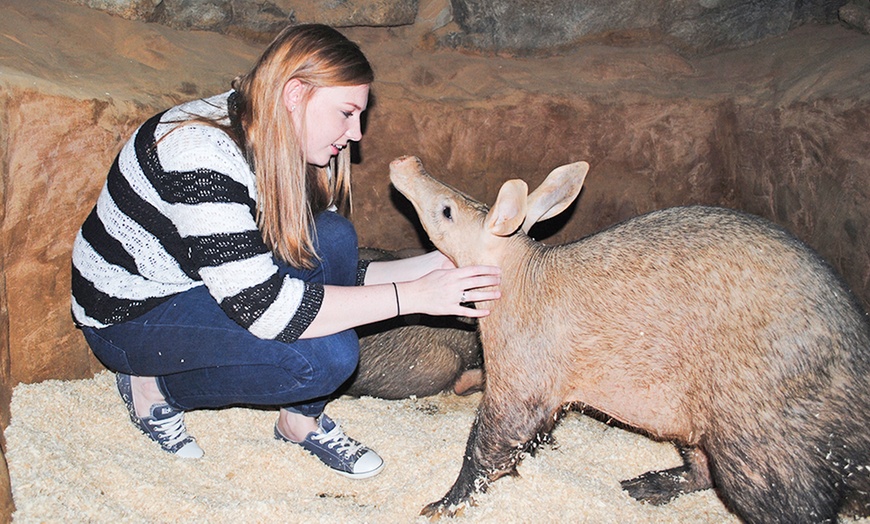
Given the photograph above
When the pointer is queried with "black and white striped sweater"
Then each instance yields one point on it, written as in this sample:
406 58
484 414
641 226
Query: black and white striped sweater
181 214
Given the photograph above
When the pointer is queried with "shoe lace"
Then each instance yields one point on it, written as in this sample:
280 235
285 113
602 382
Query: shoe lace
337 440
170 430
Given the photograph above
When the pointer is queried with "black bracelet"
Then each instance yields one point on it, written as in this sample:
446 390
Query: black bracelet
398 307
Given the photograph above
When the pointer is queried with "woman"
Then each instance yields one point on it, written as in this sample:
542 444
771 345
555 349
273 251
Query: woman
214 270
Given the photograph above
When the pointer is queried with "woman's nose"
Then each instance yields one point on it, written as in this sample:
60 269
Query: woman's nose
354 132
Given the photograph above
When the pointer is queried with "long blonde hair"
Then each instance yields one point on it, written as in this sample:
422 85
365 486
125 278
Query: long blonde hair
290 192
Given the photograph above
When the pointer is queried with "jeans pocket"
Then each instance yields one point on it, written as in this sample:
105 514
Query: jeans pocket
108 354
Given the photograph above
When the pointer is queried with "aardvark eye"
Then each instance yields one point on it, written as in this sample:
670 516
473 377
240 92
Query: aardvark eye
448 214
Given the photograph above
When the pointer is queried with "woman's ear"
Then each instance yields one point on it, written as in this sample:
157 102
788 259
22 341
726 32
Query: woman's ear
292 93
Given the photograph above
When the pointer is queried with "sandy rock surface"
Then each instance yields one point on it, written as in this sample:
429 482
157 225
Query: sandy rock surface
74 457
777 129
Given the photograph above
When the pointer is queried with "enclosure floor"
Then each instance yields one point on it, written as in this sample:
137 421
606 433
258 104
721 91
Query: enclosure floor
74 457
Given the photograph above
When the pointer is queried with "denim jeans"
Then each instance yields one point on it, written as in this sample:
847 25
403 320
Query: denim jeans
204 359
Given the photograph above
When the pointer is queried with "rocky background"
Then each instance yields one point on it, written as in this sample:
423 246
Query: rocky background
758 105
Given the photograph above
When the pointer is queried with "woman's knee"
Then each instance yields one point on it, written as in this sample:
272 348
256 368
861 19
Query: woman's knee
337 362
335 228
337 246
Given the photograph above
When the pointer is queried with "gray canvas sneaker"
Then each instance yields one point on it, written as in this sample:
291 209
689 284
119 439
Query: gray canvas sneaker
165 425
343 454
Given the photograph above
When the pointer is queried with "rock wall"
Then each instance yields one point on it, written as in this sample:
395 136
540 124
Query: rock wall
699 26
512 26
805 166
779 128
256 20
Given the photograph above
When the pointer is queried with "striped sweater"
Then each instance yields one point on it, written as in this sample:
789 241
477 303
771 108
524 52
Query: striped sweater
178 210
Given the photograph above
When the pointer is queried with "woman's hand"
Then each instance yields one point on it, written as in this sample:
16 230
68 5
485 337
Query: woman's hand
449 291
429 284
442 259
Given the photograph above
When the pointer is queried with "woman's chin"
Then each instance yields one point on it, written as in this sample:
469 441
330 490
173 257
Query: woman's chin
319 163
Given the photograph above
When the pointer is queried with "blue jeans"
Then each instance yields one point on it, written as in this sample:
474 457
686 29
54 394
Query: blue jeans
203 359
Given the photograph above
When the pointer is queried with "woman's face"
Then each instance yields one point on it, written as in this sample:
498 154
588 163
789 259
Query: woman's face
332 120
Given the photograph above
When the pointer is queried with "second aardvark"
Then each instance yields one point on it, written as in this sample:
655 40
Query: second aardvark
705 326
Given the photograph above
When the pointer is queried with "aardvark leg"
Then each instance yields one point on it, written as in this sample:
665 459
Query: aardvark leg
660 487
499 436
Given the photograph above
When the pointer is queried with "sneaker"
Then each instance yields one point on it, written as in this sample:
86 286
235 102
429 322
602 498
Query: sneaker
164 426
343 454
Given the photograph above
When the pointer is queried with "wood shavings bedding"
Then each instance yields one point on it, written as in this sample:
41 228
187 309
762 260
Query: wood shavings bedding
74 457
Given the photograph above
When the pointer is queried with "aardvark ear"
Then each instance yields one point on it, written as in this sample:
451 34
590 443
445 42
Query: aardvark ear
555 193
509 209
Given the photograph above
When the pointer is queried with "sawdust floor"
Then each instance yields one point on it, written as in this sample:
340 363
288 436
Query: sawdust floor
74 457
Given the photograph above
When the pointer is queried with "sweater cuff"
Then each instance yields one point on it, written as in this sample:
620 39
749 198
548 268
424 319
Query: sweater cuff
312 299
361 268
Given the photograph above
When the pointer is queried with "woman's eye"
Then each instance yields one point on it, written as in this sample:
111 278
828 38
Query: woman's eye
448 214
347 114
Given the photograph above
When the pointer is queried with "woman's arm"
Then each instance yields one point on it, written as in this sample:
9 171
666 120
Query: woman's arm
439 292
